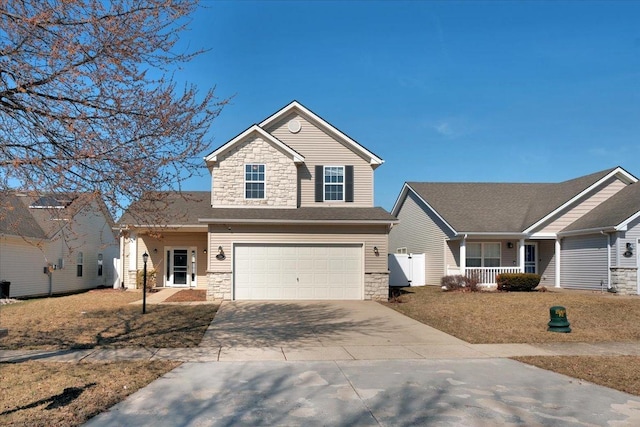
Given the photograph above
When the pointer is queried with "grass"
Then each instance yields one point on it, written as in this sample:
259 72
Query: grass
522 317
61 394
188 295
45 394
101 318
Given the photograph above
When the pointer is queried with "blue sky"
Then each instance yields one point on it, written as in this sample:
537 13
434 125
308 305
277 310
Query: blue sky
442 91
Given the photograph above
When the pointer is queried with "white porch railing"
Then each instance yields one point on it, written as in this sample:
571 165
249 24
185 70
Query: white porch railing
487 275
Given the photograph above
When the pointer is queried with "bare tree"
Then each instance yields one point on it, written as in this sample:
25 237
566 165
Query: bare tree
90 100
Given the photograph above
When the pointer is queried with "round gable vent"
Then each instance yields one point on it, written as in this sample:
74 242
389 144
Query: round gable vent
294 126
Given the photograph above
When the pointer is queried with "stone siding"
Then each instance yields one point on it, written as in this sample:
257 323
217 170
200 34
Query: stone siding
376 286
218 286
625 280
281 176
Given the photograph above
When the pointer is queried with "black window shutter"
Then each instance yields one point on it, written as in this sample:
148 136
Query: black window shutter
319 183
348 183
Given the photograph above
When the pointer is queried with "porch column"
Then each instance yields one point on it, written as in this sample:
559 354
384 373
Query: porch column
557 255
463 255
521 256
133 252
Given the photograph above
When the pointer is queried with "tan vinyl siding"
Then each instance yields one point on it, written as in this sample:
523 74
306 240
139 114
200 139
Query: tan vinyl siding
181 240
583 262
420 231
601 193
371 236
320 148
21 264
452 254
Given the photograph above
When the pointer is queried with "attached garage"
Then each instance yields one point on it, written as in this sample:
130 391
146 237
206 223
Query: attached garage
298 272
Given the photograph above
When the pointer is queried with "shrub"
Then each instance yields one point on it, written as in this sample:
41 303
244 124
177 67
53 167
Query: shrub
513 282
459 283
151 278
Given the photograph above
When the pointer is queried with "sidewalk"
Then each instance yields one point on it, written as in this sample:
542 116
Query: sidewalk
211 351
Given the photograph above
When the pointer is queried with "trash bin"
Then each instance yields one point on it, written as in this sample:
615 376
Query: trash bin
4 288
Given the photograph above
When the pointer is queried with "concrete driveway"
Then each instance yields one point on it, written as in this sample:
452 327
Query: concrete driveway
292 364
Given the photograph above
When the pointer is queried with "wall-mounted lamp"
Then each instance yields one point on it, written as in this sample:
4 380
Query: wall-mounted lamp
510 245
375 251
155 250
221 254
629 252
204 251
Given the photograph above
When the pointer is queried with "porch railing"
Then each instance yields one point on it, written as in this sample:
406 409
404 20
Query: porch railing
487 275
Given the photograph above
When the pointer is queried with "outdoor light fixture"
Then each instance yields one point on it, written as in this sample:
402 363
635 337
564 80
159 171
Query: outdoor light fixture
145 258
509 245
375 250
629 252
204 251
155 250
221 254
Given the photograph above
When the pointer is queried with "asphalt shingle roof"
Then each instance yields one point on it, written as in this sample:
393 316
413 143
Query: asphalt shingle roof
188 208
500 207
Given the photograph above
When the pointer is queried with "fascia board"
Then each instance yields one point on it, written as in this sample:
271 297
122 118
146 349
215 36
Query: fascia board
296 157
587 231
617 171
624 224
293 221
492 234
408 187
373 159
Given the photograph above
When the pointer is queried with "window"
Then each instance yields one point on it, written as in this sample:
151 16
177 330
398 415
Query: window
483 255
254 181
79 264
401 250
334 183
99 264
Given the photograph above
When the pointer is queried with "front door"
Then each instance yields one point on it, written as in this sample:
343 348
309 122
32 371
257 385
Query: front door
530 258
181 267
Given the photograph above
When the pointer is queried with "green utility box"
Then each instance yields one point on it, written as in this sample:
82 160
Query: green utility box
558 322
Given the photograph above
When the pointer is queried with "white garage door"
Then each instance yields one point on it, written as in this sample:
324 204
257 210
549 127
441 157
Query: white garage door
297 272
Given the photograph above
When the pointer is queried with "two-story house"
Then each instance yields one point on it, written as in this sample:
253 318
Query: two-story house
55 243
290 215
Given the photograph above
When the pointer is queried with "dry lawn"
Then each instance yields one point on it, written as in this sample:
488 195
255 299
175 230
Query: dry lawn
101 318
619 372
188 295
61 394
522 317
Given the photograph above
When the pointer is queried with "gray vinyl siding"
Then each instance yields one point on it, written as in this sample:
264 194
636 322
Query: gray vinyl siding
420 231
584 262
547 262
320 148
620 247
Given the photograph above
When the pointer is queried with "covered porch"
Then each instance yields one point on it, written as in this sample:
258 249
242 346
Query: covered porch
484 257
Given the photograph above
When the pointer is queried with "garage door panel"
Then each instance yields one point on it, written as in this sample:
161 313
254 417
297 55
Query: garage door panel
264 271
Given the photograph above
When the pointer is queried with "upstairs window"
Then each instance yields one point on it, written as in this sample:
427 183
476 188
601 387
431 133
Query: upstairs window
334 183
254 181
79 264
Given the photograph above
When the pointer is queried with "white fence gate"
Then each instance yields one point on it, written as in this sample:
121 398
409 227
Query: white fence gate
116 273
406 269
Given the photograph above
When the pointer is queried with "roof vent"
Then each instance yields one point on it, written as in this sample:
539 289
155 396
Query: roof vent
294 125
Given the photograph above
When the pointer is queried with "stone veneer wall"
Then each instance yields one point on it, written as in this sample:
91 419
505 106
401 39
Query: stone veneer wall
218 286
280 176
625 280
376 286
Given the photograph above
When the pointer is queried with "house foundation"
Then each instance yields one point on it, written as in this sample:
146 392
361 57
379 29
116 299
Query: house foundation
376 286
625 280
218 285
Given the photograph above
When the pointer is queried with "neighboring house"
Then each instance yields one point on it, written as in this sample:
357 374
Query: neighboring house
290 215
56 243
581 234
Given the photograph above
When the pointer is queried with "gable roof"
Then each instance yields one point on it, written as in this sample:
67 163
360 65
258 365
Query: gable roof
620 209
166 209
42 216
374 160
504 207
295 156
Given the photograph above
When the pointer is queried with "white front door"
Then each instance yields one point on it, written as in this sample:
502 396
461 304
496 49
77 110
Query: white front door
181 267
